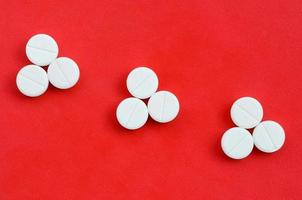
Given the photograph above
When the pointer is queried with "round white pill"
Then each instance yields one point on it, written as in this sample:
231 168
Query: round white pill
63 73
32 80
142 82
163 106
237 143
269 136
41 49
246 112
132 113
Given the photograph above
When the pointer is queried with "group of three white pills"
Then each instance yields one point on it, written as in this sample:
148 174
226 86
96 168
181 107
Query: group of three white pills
238 142
42 50
142 83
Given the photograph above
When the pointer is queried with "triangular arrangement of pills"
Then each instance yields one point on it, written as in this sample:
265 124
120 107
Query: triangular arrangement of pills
238 142
42 50
142 83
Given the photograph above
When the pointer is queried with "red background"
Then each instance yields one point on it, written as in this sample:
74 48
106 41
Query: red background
68 144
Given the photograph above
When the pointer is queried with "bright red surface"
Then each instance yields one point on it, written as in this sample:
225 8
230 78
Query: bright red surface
68 144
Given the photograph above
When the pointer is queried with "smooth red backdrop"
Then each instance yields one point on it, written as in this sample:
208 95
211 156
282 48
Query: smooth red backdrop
67 145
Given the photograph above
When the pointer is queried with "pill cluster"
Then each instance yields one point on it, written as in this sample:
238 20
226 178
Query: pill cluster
42 50
142 83
238 143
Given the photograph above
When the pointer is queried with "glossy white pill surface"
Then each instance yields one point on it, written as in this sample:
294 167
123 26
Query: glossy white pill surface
142 82
32 80
132 113
163 106
63 73
237 143
246 112
269 136
41 49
